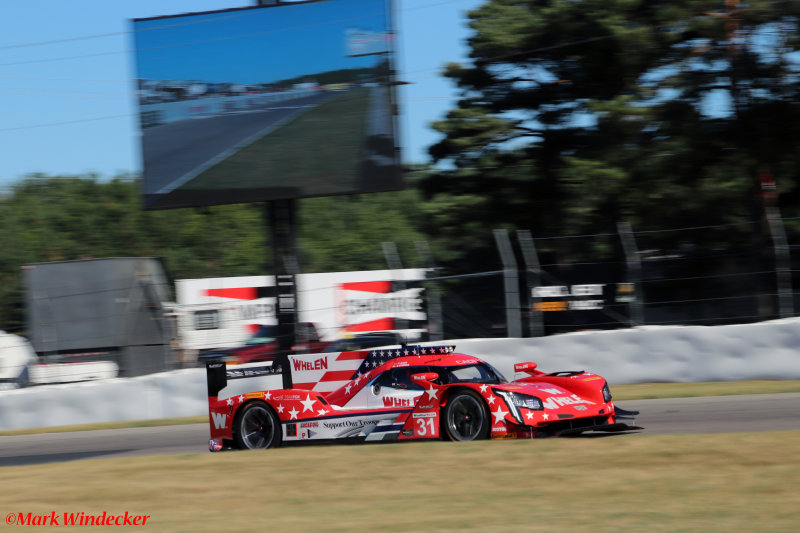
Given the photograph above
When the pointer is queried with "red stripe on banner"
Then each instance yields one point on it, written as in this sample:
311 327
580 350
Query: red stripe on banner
241 293
380 324
367 286
337 375
304 386
352 356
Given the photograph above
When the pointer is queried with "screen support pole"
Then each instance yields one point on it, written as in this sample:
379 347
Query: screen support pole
282 222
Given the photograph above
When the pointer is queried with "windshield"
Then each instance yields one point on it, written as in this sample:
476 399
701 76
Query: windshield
477 373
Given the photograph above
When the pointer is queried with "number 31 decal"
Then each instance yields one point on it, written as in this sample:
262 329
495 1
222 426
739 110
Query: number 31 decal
427 427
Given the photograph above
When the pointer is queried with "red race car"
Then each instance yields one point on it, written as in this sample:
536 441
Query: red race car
408 393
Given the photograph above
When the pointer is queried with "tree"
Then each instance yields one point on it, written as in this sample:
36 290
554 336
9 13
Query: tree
575 114
67 218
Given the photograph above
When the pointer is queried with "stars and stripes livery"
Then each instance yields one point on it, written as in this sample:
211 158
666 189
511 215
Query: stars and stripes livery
328 372
412 392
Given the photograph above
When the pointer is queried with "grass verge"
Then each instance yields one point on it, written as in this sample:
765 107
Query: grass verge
109 425
634 483
646 391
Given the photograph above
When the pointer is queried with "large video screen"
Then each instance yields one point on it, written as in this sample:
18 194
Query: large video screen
263 103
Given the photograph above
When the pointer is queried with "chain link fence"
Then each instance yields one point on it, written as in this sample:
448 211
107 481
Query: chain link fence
705 275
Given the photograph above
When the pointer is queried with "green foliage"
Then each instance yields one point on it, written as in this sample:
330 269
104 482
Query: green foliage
66 218
574 115
343 233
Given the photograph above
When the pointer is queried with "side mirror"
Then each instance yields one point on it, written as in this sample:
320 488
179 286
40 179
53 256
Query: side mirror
424 378
528 368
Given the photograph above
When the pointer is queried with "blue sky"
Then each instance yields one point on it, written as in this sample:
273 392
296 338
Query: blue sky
256 45
66 71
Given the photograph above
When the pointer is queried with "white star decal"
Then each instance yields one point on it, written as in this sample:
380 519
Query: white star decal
293 413
491 400
397 353
241 399
431 392
280 408
308 404
347 389
267 395
230 401
529 416
545 417
483 388
321 412
499 415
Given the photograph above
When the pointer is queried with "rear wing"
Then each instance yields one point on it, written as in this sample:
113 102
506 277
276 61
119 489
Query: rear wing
322 372
218 374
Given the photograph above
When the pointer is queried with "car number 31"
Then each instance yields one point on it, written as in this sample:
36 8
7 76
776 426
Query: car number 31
426 427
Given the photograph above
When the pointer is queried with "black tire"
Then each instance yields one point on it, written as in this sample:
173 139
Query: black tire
466 417
257 427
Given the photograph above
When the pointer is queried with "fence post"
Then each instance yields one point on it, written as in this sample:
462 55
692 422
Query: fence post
634 264
533 279
435 321
394 262
783 268
511 283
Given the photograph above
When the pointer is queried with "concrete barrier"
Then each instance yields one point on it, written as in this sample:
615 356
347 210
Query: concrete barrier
767 350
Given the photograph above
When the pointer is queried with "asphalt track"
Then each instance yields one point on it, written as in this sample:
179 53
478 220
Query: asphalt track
176 150
719 414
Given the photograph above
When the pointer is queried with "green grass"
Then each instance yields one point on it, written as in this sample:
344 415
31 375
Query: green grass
625 483
108 425
690 390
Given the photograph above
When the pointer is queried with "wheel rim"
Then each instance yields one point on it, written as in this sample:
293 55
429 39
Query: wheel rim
257 428
465 418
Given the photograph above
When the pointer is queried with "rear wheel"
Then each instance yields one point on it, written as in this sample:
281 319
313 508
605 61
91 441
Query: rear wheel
466 417
257 427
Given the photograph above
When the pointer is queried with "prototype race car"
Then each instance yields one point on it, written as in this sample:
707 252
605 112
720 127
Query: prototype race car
408 393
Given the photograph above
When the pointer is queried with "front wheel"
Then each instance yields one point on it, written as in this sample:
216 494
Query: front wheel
257 427
466 417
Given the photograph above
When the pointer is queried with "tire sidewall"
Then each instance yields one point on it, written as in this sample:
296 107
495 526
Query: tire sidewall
237 437
483 433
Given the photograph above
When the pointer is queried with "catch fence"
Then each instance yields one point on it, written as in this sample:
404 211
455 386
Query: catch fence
704 275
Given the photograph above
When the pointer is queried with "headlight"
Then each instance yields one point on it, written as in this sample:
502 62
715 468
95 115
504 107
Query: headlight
606 393
515 401
523 400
